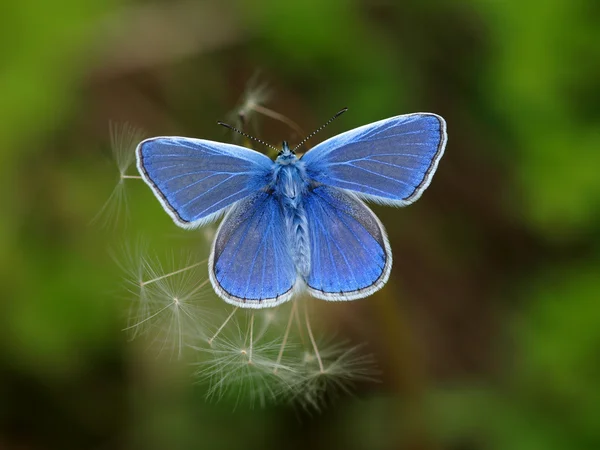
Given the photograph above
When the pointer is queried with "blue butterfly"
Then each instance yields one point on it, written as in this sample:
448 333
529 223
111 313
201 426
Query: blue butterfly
296 223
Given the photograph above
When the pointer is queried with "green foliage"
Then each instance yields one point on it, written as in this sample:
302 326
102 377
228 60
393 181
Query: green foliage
487 334
543 86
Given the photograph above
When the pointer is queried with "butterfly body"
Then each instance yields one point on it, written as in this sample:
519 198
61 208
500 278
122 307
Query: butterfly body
296 223
290 186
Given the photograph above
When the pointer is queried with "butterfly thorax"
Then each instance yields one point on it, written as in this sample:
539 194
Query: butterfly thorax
290 185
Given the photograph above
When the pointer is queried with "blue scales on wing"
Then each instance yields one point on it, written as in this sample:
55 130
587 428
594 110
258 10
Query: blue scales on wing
350 254
390 161
195 179
251 265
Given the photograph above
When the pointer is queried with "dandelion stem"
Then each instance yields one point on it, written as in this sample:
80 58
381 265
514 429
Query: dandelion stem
275 115
312 339
196 289
285 336
296 315
148 318
210 341
178 326
144 283
131 177
251 337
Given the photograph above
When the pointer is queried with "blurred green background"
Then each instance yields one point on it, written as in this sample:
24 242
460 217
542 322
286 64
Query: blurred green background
488 332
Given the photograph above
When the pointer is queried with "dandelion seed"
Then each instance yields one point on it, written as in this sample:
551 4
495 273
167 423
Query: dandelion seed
123 141
170 306
243 365
319 382
115 207
242 368
256 94
312 338
277 116
170 274
286 335
253 101
210 341
258 363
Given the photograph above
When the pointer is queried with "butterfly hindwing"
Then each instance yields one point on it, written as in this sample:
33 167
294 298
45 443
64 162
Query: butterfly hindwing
350 254
391 161
250 264
195 179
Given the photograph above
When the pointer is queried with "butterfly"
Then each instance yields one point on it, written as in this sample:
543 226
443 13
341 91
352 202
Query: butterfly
296 222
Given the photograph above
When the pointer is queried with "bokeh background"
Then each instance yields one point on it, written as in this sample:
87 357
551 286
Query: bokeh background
487 334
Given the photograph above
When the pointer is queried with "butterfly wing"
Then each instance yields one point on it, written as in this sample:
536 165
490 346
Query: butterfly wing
250 264
195 179
391 161
350 253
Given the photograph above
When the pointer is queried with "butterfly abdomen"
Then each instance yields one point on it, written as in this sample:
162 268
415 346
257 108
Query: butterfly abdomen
290 187
297 227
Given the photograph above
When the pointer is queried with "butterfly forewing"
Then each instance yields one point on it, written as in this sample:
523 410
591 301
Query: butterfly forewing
390 161
250 262
195 179
350 254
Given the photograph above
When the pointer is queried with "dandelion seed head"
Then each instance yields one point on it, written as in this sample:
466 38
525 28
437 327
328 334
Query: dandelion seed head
252 357
170 304
243 115
123 141
243 369
343 368
256 357
256 94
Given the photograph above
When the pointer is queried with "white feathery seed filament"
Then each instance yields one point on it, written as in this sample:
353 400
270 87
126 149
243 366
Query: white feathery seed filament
170 274
312 338
285 336
210 341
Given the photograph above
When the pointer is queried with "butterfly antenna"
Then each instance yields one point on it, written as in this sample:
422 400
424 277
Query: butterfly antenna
226 125
338 114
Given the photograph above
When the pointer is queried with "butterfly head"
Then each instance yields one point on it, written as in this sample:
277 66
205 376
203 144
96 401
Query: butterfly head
286 155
